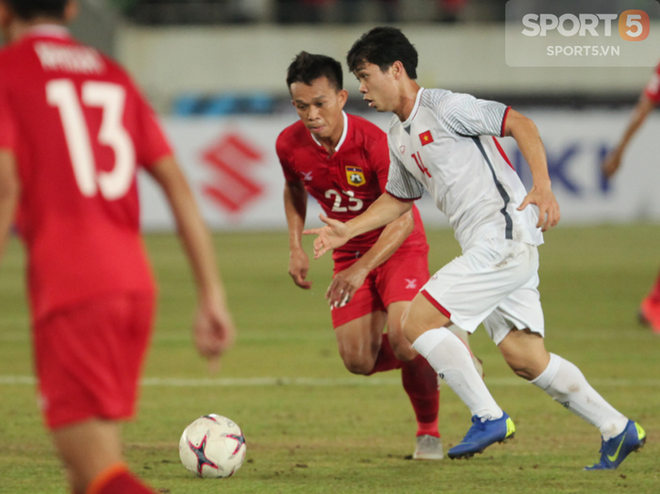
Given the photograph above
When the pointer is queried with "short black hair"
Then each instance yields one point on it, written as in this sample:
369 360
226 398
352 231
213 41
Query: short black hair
307 67
30 9
383 46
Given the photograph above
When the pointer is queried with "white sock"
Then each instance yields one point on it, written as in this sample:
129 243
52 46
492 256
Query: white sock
450 358
566 384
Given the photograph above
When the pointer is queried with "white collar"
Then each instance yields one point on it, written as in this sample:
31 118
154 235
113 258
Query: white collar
343 133
50 30
415 108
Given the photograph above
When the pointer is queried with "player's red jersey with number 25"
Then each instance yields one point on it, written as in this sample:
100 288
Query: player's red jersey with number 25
348 182
83 235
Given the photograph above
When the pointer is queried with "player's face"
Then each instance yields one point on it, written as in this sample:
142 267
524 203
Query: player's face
379 89
320 107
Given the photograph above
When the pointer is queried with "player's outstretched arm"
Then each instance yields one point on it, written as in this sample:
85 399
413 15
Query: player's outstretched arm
213 325
640 112
524 131
345 283
9 191
295 208
384 210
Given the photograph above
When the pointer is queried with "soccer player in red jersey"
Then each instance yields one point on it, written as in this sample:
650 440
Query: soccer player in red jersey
73 130
342 161
649 311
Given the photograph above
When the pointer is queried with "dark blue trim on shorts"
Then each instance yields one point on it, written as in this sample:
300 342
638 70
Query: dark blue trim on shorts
500 189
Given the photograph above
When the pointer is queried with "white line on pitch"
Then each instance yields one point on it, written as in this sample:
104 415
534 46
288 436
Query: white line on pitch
305 381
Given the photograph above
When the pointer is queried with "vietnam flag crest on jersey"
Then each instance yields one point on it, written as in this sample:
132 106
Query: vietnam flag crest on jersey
355 175
426 138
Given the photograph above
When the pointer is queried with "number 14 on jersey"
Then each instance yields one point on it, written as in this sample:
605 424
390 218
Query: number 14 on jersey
420 164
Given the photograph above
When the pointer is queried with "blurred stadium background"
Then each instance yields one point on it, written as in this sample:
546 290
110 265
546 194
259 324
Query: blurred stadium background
214 70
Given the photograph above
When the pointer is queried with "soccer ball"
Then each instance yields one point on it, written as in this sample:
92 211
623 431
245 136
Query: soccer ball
212 447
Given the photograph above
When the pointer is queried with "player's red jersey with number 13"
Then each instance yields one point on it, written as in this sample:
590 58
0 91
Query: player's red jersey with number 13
73 117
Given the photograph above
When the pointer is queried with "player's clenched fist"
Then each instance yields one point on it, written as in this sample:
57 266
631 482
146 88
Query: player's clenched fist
298 268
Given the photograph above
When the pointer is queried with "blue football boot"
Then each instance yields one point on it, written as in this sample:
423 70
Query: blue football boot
483 434
615 450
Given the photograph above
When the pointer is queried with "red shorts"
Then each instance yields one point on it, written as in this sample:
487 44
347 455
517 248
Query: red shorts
89 358
397 279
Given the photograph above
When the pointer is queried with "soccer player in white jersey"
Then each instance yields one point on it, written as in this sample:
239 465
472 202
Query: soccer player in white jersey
445 143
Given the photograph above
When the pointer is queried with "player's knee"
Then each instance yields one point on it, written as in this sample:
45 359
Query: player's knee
521 371
358 366
358 362
403 350
523 366
526 360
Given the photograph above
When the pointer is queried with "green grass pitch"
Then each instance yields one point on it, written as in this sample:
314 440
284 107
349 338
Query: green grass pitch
312 427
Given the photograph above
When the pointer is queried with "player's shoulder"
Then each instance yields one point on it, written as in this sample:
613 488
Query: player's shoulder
109 68
12 53
438 99
292 133
363 132
291 138
447 105
115 69
364 126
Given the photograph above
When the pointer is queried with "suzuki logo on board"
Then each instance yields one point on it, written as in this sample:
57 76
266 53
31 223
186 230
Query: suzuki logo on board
233 160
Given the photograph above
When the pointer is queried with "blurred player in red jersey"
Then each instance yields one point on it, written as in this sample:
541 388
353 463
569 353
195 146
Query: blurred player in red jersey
73 130
343 161
649 311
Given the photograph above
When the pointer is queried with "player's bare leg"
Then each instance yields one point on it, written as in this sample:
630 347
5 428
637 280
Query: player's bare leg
92 453
525 353
362 346
420 383
400 344
366 350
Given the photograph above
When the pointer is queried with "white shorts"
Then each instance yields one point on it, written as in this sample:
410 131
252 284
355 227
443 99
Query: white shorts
494 282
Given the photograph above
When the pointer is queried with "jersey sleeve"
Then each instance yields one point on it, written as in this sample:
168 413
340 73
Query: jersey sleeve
468 116
400 182
286 161
7 122
151 144
652 90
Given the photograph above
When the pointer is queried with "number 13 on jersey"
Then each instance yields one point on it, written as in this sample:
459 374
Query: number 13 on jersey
111 98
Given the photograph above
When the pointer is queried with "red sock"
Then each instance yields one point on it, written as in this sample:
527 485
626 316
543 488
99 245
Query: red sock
655 291
421 383
118 480
385 360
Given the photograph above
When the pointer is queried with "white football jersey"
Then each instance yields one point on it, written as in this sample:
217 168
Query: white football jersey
446 146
